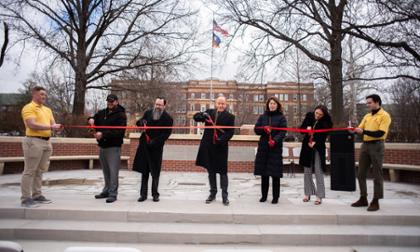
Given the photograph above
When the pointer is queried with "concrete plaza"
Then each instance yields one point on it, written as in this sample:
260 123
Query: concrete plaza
182 222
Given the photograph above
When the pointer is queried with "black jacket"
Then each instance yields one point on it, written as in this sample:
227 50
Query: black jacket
149 155
269 161
214 156
307 153
116 117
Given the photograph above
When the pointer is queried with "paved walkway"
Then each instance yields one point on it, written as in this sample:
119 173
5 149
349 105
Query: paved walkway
243 187
184 193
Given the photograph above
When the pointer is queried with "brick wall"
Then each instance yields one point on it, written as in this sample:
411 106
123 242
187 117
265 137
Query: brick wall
11 147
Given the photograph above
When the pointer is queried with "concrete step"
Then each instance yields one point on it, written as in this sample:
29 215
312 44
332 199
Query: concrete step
60 246
198 233
196 212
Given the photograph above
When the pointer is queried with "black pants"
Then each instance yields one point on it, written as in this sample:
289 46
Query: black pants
265 185
223 184
145 182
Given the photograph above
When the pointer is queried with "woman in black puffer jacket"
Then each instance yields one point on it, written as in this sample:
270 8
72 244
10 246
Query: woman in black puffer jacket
268 161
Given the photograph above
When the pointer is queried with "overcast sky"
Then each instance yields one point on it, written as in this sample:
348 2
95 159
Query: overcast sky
18 66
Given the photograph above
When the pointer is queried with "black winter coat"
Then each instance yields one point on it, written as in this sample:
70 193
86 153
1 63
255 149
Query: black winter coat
149 156
214 157
306 158
116 117
269 161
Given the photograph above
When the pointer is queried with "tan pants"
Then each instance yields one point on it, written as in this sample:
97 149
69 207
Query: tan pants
37 154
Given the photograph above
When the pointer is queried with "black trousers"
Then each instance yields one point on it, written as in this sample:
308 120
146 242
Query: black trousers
223 184
145 182
265 185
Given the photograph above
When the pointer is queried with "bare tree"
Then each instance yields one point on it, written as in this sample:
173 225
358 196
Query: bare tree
5 42
318 28
97 38
405 110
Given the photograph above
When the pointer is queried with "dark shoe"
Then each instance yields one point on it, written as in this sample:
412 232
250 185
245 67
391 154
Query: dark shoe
318 201
111 199
275 201
29 203
374 205
362 202
42 200
226 202
142 198
101 196
210 199
306 198
155 198
263 199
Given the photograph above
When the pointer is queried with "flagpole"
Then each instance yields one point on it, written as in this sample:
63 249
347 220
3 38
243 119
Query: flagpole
211 62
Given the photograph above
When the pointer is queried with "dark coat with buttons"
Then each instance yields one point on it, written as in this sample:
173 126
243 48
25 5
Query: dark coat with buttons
307 154
214 156
149 155
269 161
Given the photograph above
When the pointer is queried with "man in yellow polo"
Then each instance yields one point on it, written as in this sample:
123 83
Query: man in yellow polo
39 122
374 128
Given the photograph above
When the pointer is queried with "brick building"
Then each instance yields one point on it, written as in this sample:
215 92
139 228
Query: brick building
245 100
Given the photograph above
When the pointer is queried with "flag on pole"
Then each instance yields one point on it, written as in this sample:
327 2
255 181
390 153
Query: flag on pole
216 41
217 28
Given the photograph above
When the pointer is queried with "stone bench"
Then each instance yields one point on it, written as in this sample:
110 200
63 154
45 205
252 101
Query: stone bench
101 249
394 169
91 158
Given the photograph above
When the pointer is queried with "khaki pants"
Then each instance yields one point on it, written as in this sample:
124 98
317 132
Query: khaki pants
371 156
37 154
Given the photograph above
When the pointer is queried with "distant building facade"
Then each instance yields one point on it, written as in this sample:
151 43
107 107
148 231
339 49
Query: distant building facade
245 100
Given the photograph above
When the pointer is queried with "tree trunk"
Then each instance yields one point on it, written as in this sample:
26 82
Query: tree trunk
335 66
336 81
79 94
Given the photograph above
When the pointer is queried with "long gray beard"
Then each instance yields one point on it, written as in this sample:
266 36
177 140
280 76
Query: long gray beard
156 114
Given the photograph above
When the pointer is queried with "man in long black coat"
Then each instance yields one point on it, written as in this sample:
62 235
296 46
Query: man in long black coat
149 153
213 151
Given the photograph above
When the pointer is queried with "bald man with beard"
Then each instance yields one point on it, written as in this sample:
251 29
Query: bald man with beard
213 150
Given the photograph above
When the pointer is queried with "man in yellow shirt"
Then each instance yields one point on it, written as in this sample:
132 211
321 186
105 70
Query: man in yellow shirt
37 148
374 129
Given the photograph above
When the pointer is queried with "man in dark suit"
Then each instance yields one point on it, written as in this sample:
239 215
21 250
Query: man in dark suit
149 153
213 150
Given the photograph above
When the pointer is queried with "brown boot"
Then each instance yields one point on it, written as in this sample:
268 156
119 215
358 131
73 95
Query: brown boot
362 202
374 205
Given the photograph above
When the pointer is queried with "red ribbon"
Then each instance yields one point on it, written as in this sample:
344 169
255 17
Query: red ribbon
205 127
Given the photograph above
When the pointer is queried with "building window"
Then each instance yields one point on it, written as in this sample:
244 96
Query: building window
261 97
256 98
281 97
203 107
286 107
192 95
304 97
230 96
203 95
255 110
295 97
295 109
286 97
